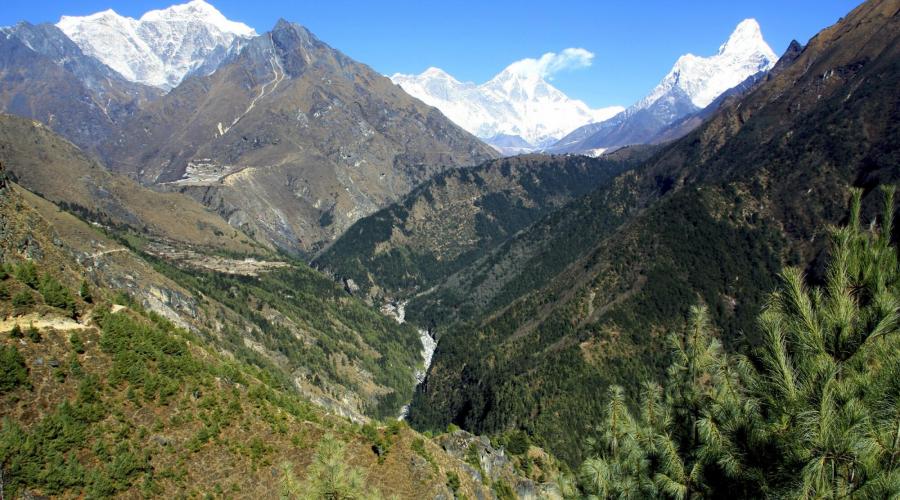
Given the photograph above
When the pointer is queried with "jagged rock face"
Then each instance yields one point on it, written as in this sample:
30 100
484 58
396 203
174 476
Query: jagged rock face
46 77
291 140
493 463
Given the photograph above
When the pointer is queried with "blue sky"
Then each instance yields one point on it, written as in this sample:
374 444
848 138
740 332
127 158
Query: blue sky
635 43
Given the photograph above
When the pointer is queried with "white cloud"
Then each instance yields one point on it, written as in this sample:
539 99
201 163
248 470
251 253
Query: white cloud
551 63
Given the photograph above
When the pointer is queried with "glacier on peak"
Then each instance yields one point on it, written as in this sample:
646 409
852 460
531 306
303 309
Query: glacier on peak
517 102
161 47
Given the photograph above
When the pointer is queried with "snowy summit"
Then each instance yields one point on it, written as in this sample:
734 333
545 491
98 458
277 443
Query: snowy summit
693 83
703 79
161 47
517 110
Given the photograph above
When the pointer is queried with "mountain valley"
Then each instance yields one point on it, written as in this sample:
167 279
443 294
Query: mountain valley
238 263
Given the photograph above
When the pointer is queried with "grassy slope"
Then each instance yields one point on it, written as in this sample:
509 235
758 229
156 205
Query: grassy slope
48 165
139 407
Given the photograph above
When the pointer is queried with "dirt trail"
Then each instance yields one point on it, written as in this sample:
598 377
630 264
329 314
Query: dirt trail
107 252
41 322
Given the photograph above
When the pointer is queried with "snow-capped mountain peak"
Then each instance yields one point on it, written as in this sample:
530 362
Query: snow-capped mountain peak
433 72
702 79
161 47
745 39
200 10
693 83
517 102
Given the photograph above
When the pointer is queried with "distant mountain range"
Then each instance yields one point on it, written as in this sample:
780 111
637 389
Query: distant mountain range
516 111
290 140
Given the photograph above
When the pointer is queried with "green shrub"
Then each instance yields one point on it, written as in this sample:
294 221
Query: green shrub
13 372
85 293
381 445
56 295
518 443
453 481
23 299
27 273
77 342
34 334
472 456
504 491
329 475
16 332
4 292
418 446
75 366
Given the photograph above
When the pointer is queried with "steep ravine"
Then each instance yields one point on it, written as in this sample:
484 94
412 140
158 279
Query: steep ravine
397 311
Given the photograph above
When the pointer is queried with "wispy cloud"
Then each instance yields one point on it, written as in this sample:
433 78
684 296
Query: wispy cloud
552 63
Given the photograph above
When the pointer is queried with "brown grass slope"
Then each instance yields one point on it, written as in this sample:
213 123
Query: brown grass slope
45 163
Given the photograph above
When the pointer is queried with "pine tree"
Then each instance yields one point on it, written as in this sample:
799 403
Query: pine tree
828 380
328 477
85 292
27 273
13 371
815 413
56 295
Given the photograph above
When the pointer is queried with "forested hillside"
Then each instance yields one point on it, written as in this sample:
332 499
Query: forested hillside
533 333
460 216
811 413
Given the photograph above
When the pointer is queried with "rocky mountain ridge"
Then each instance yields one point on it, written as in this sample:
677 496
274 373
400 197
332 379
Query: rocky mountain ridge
47 77
290 140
